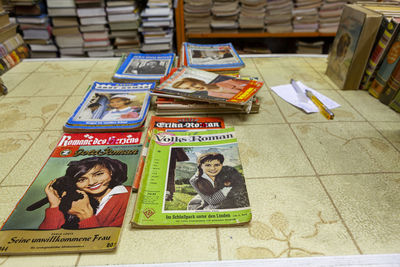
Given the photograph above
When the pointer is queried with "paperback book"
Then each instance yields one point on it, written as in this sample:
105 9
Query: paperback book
77 202
205 169
171 124
195 84
212 57
144 67
111 107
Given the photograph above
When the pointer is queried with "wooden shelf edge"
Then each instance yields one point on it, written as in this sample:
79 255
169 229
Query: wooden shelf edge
258 35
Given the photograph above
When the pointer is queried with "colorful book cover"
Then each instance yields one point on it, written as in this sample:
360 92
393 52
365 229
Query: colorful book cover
173 123
77 202
195 84
212 56
112 107
204 170
150 67
386 69
395 103
379 52
352 46
392 86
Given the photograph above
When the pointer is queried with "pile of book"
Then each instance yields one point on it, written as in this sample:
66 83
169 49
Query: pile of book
124 23
197 16
365 51
157 27
198 86
12 46
36 29
278 16
225 15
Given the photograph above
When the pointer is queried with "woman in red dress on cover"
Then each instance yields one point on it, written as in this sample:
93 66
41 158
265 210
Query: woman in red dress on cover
100 178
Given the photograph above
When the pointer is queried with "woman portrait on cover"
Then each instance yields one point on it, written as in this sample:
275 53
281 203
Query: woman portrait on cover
218 186
221 87
121 107
91 194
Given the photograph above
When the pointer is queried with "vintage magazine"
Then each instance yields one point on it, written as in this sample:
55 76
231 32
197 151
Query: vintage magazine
144 67
212 57
77 202
111 107
194 84
203 171
173 123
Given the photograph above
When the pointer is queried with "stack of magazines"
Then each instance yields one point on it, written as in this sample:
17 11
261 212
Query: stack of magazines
193 91
111 107
136 67
219 58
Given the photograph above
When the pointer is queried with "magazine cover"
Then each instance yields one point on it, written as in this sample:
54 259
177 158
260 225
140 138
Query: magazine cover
173 123
212 56
204 171
77 202
112 107
145 67
200 85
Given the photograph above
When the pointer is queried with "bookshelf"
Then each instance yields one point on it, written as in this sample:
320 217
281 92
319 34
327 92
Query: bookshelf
182 36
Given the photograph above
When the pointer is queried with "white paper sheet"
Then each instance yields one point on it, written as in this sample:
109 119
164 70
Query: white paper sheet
287 93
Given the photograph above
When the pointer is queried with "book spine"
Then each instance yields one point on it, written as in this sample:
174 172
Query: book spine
142 187
13 58
395 103
392 86
386 68
377 55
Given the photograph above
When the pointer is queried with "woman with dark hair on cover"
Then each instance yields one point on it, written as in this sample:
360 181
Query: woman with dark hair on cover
218 186
98 178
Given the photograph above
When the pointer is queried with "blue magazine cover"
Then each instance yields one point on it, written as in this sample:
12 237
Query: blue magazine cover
150 67
212 56
112 106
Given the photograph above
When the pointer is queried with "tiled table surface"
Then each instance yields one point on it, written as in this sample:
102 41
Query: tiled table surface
316 187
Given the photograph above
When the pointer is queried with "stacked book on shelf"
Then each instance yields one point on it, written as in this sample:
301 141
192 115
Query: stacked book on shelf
66 31
12 46
278 16
305 15
365 51
225 16
197 16
93 23
36 29
252 15
157 27
123 22
329 15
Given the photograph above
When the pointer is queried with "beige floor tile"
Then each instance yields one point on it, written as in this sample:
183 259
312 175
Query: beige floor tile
271 62
27 66
369 107
90 78
157 246
28 114
369 205
106 65
292 217
67 66
11 80
271 151
318 63
391 130
268 113
32 161
64 113
280 75
48 84
37 260
13 145
344 113
347 147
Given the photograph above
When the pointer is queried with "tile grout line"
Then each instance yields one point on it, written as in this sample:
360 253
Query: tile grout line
218 244
327 193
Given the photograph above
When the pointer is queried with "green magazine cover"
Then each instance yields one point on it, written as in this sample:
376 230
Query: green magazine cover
203 172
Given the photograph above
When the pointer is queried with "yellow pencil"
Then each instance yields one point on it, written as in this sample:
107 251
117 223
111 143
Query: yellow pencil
322 108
